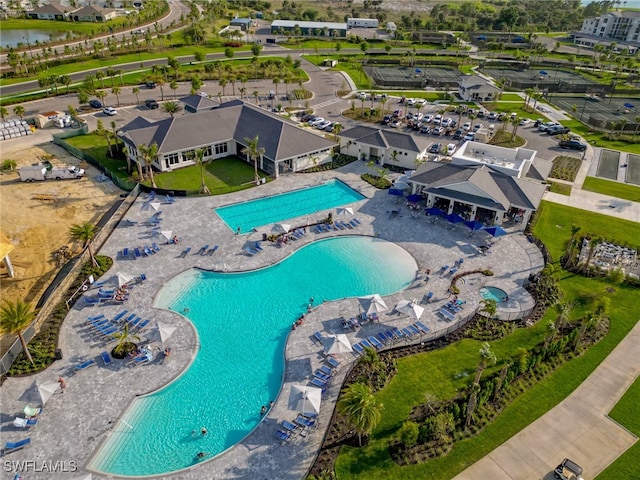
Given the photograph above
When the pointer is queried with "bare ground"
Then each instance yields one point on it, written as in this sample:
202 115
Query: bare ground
36 217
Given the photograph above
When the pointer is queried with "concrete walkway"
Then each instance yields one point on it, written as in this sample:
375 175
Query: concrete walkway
577 428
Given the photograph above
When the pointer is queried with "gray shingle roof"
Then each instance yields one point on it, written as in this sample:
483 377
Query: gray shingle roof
198 102
53 8
377 137
539 169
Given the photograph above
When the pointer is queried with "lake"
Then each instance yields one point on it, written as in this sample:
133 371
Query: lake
10 38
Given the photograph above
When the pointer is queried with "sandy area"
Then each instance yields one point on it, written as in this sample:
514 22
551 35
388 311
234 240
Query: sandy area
36 216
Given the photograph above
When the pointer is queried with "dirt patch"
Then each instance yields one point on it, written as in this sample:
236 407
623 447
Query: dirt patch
36 217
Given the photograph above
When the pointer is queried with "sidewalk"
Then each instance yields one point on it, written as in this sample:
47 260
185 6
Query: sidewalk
577 428
598 203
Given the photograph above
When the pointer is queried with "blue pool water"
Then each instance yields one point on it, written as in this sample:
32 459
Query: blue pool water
242 320
276 208
493 293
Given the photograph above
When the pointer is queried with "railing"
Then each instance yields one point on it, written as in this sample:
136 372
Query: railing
55 293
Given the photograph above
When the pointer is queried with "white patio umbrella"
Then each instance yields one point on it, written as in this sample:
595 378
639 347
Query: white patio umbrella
305 400
373 304
345 211
334 344
123 278
281 227
401 185
161 332
168 234
155 205
46 390
410 308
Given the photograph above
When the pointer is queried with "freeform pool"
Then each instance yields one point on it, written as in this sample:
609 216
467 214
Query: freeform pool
242 320
276 208
494 293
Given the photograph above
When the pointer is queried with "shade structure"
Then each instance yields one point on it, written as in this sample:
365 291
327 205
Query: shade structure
155 206
434 211
345 211
414 198
123 278
402 178
474 225
396 191
46 390
496 231
161 333
542 72
305 400
281 227
454 218
373 304
629 105
335 344
401 185
168 234
410 308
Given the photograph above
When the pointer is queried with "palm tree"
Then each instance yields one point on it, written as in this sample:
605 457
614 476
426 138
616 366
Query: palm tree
254 153
136 91
337 128
101 95
125 341
171 107
200 159
3 112
370 359
117 91
173 85
161 82
515 121
361 408
14 319
487 357
85 232
19 110
101 131
148 155
571 246
489 307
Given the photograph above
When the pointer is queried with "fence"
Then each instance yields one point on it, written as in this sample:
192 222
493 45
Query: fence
55 293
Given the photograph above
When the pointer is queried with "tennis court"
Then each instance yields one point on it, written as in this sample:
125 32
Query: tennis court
551 80
633 169
414 77
608 164
605 113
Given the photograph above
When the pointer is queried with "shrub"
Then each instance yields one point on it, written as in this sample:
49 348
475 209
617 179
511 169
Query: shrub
408 433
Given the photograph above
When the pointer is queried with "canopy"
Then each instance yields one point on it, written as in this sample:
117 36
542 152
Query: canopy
345 211
401 185
161 332
305 400
542 72
629 105
155 205
281 227
46 390
418 70
5 246
496 231
474 225
402 178
123 278
168 234
373 304
434 211
410 308
413 198
454 218
397 192
334 344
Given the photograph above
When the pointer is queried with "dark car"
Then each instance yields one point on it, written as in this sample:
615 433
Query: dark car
458 135
573 145
151 104
558 130
386 120
95 104
435 148
150 84
425 129
416 126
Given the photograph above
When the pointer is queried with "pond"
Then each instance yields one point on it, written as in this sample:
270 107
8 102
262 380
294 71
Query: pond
11 38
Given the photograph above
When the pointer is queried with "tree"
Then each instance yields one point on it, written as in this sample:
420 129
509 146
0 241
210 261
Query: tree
487 357
253 152
19 110
125 341
571 245
161 83
3 112
171 107
136 92
101 131
337 128
173 85
148 155
196 84
101 95
199 157
515 121
489 306
15 317
85 232
361 408
117 91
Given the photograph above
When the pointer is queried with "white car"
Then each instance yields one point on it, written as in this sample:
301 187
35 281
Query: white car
110 111
324 125
437 119
446 122
451 148
469 137
317 122
492 116
437 131
410 101
427 119
466 126
525 121
421 101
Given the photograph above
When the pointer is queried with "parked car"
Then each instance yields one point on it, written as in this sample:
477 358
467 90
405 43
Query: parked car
451 148
492 116
386 120
317 121
416 126
437 119
438 131
396 123
421 101
435 148
95 104
525 121
466 126
543 127
558 130
568 470
458 134
427 119
469 137
151 104
538 122
109 111
446 122
150 84
425 129
477 127
323 125
410 101
573 145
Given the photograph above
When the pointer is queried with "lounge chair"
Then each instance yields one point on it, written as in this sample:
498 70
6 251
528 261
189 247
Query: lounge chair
155 247
31 412
95 318
374 317
317 336
353 223
382 336
25 422
318 382
141 326
129 319
91 300
168 199
106 358
374 341
283 435
212 250
119 316
11 447
185 252
202 250
289 427
453 271
413 330
358 348
322 376
429 297
139 360
250 251
333 362
397 332
85 365
365 343
407 333
258 247
447 314
356 221
305 422
422 327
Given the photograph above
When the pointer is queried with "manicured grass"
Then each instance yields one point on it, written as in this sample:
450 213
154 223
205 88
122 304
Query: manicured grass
443 372
597 138
221 176
613 189
58 26
561 188
511 97
96 146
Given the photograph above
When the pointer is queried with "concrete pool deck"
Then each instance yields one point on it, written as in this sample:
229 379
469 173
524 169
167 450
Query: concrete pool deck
74 424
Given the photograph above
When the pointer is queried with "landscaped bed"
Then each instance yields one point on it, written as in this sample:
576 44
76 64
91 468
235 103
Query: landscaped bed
565 168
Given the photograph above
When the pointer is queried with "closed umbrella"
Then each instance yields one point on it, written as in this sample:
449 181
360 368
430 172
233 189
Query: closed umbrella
123 278
496 231
454 218
168 234
474 225
434 211
345 211
46 390
410 308
161 332
281 227
305 400
373 304
334 344
155 206
414 198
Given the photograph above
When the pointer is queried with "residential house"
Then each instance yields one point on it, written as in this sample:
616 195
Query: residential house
474 88
50 11
92 13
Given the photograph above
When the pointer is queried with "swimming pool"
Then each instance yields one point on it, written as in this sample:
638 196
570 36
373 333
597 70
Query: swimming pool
284 206
494 293
242 320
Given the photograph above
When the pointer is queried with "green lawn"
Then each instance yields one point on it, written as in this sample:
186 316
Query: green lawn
443 372
613 189
96 146
221 176
626 414
597 139
58 26
561 188
511 97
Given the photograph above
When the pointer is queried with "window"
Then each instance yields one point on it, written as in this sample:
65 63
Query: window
171 159
188 155
208 151
221 148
